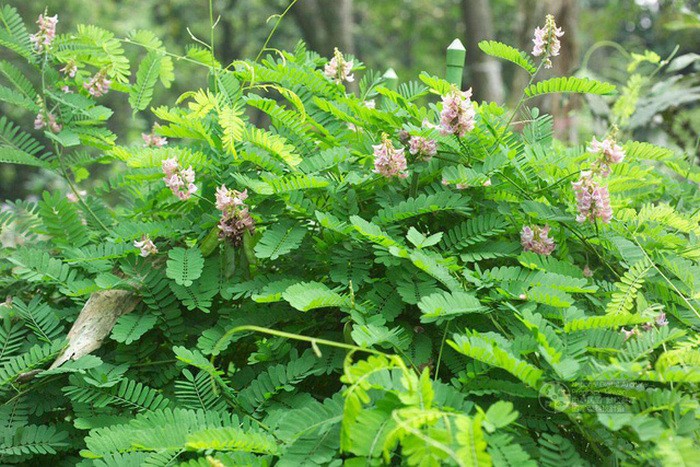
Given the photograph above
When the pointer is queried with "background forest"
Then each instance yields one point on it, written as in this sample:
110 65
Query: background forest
409 36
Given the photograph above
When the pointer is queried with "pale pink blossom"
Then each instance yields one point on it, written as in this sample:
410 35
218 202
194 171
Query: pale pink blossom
47 32
338 69
146 246
546 40
98 84
235 218
66 89
536 239
487 182
423 148
70 69
632 332
229 199
592 199
661 320
587 272
610 152
388 160
180 182
72 198
458 114
370 104
153 140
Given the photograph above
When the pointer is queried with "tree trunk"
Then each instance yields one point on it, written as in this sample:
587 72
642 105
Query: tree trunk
337 18
530 15
485 71
307 16
562 106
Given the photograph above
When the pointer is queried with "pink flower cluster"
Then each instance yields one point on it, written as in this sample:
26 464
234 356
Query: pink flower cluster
547 40
40 122
180 182
98 84
389 161
338 69
660 321
235 217
423 148
153 140
536 239
46 34
458 114
593 199
611 153
70 69
146 246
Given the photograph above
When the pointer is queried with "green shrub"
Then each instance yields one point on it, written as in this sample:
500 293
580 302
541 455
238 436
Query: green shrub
410 282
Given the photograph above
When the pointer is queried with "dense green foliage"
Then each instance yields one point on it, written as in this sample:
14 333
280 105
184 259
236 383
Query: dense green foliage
368 320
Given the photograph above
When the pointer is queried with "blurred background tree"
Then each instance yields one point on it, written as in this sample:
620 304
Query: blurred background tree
408 35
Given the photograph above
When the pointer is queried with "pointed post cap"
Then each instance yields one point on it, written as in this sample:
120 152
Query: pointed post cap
456 53
391 79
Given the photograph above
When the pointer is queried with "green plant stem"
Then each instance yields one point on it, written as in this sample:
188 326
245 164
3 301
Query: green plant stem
57 151
442 347
522 97
274 29
673 286
299 337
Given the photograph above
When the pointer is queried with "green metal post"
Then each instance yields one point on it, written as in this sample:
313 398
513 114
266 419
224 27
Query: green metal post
391 79
456 55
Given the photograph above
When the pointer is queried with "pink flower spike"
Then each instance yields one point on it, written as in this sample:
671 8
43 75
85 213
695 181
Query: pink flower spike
546 40
176 178
98 84
338 69
593 200
45 35
458 115
389 161
536 239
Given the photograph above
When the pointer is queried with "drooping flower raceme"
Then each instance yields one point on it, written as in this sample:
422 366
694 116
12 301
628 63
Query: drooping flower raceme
235 219
338 69
610 152
180 182
457 116
547 40
146 246
536 239
98 84
388 160
46 33
423 148
593 199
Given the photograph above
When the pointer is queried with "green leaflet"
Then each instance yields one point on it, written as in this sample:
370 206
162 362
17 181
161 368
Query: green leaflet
185 265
